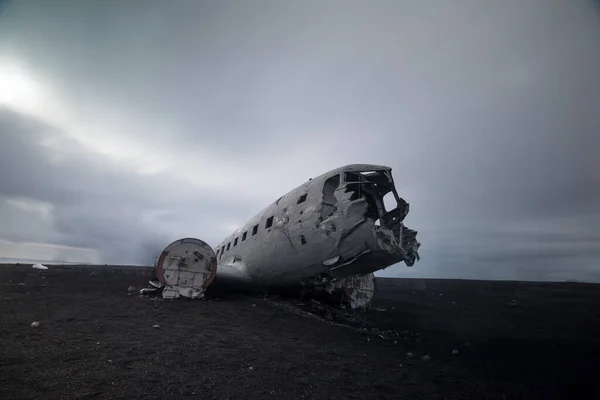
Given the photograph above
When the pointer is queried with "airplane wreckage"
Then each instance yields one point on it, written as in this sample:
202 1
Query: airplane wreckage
326 236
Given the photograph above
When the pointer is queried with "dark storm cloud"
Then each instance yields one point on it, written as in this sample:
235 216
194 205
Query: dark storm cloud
96 205
486 111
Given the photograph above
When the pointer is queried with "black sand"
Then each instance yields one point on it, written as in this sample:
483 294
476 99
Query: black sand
96 340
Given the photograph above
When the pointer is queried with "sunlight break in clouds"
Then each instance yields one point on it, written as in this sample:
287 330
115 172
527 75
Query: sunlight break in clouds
109 134
18 90
21 91
106 135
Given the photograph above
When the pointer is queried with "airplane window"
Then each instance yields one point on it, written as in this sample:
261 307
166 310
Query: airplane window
329 200
302 198
389 202
254 230
228 245
269 222
235 242
244 236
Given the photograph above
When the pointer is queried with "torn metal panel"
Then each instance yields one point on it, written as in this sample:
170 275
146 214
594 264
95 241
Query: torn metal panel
360 290
354 292
186 268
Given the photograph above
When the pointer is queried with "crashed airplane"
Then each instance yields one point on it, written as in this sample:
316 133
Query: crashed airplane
328 235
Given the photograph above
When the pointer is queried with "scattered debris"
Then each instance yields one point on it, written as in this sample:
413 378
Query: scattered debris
513 303
351 321
156 284
174 292
131 289
35 324
400 365
454 352
380 309
39 266
251 368
253 305
409 355
299 311
148 291
426 358
156 326
21 284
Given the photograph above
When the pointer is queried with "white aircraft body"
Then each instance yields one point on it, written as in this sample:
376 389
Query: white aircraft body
332 232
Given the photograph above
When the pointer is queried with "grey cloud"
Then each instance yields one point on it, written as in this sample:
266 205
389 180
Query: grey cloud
487 112
96 205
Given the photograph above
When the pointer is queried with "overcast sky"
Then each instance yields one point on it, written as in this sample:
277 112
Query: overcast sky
127 124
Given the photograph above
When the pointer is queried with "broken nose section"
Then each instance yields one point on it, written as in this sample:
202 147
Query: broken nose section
402 245
383 248
410 246
185 268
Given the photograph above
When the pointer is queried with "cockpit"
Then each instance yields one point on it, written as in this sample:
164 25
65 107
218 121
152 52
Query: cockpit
377 188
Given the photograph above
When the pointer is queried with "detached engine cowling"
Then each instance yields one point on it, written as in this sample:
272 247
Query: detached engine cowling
186 268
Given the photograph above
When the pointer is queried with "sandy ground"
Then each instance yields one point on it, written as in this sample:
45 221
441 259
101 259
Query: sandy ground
96 340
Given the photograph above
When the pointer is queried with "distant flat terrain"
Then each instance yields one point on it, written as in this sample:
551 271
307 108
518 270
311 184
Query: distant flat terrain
97 341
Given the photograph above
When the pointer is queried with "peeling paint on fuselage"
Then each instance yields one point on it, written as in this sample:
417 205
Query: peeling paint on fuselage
296 247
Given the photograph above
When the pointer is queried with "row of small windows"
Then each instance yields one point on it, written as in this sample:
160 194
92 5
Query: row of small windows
235 242
268 224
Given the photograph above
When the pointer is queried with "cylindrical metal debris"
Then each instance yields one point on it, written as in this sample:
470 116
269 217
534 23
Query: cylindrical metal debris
186 268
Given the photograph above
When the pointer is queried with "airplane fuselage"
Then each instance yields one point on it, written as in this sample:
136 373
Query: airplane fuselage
330 228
